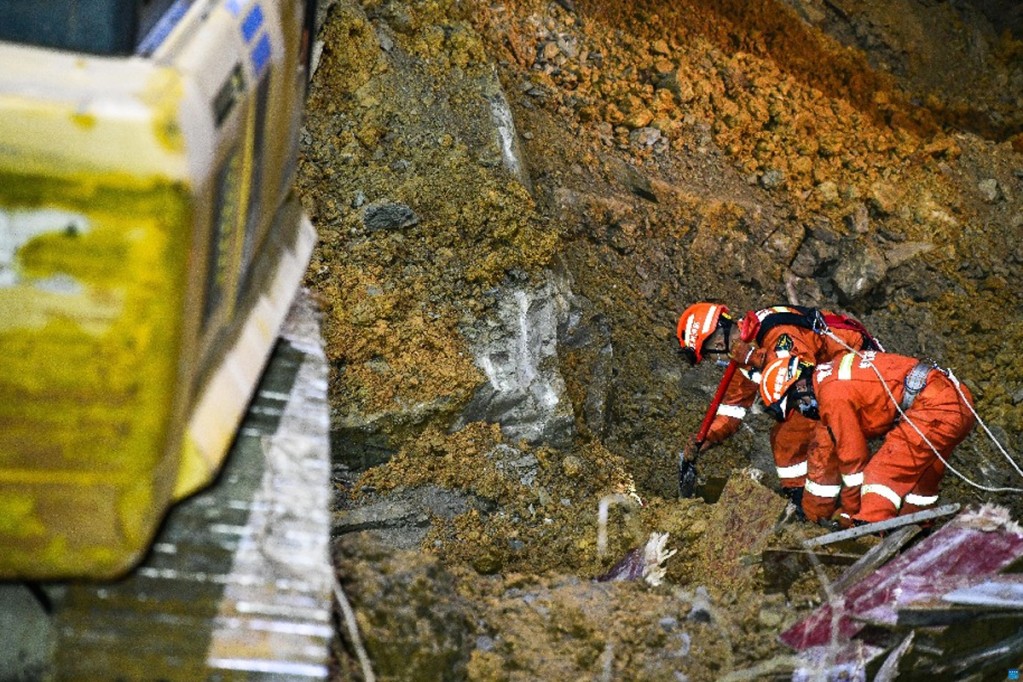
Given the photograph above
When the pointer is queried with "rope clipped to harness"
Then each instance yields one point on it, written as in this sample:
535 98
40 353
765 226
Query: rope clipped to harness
902 415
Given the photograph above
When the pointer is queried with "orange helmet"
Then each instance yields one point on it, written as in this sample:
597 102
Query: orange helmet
776 383
698 322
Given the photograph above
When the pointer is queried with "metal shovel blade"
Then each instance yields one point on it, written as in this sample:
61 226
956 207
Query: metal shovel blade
686 477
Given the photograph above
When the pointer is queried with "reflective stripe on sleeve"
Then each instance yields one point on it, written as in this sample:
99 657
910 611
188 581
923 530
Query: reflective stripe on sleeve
884 491
921 500
736 411
820 490
853 480
845 366
792 471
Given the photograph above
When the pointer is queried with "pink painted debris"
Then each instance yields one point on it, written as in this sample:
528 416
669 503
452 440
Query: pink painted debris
1003 591
847 663
975 545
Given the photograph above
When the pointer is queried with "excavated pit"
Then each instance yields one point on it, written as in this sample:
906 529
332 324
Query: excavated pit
515 201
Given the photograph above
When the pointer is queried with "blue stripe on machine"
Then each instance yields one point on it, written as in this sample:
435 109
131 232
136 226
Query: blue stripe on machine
162 28
252 23
261 54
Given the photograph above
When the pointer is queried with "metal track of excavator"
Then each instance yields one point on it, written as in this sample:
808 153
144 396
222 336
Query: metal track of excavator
238 582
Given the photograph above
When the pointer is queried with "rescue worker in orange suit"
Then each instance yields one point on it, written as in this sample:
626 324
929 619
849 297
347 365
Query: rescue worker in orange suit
758 338
854 399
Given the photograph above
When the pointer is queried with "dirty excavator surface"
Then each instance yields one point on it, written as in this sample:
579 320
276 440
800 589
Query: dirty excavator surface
164 457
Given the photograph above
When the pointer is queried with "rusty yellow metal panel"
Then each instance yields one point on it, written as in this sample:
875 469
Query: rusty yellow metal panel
149 249
92 272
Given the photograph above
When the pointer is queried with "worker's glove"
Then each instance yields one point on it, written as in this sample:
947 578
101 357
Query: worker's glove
691 450
793 495
831 524
742 352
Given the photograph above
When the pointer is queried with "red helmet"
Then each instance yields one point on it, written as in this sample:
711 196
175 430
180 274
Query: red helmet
698 322
776 382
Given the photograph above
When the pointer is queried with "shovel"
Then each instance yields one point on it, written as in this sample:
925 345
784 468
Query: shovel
687 467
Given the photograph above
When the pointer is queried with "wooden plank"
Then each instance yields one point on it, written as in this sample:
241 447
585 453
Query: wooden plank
875 556
889 524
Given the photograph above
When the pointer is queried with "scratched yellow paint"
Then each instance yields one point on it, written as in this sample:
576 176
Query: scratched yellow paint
163 94
83 120
41 134
18 518
88 371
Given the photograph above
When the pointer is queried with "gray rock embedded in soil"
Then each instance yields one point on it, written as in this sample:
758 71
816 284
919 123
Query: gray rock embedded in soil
517 352
388 216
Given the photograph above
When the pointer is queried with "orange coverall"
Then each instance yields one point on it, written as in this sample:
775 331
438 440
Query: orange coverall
790 439
903 475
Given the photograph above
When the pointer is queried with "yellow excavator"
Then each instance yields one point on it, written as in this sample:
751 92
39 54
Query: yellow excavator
151 251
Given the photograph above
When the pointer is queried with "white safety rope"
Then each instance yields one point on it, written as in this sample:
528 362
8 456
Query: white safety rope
962 397
989 434
352 625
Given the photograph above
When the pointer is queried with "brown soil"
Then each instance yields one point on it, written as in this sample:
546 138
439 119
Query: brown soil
674 151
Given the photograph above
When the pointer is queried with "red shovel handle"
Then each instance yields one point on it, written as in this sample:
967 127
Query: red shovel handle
712 409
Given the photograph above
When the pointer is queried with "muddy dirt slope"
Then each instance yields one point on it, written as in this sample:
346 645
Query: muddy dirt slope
516 200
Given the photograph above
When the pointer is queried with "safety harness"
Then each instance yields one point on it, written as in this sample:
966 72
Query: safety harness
758 323
914 383
969 405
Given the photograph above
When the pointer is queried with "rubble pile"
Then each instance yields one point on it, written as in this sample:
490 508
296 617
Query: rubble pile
947 607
